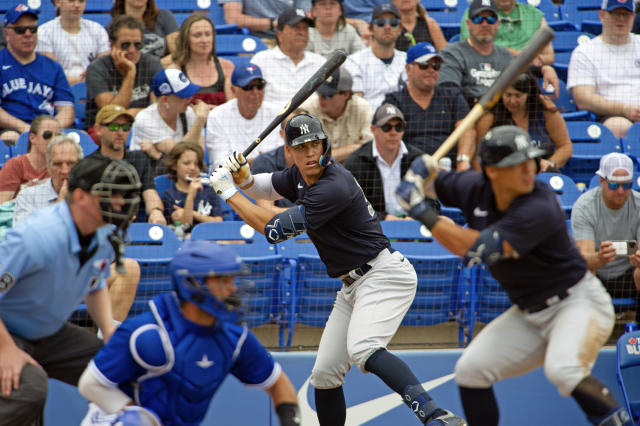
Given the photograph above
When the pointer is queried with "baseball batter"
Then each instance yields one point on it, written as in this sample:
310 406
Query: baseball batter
379 283
561 316
171 360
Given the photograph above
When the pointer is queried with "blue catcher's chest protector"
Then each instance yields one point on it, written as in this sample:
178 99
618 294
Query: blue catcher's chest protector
201 357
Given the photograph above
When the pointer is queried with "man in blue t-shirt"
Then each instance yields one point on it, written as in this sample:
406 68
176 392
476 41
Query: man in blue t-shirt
32 84
379 283
52 261
561 314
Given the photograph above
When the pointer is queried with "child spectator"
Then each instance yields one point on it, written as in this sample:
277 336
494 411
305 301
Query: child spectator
331 30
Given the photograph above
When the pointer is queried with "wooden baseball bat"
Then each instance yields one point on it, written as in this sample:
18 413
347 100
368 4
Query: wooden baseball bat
335 59
517 66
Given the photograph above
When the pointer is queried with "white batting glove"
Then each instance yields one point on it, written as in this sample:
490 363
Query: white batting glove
222 182
239 168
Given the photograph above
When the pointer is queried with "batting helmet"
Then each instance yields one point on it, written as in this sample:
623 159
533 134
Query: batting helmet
305 128
507 146
105 177
198 260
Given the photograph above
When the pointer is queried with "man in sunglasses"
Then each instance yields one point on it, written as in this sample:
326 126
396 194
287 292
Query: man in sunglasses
346 118
519 22
123 77
32 84
432 112
611 212
379 165
236 123
379 69
473 64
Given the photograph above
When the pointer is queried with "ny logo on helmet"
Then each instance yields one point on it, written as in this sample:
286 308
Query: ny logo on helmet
521 142
486 2
304 129
390 110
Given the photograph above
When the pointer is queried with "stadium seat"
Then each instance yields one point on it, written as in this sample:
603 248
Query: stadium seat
79 91
566 189
628 371
631 144
583 14
86 143
590 142
405 230
552 14
563 45
488 297
153 247
448 14
98 11
238 45
162 183
5 153
262 291
565 103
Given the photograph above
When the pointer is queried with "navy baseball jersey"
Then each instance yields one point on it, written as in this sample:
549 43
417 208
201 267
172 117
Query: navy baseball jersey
178 377
534 225
340 221
32 89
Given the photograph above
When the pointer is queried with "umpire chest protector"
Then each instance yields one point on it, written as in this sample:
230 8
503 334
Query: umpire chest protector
185 366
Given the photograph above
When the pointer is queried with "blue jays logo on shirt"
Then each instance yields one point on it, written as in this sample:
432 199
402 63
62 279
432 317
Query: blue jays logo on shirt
100 264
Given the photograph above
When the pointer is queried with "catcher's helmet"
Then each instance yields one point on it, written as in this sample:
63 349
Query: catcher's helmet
106 177
507 146
305 128
198 260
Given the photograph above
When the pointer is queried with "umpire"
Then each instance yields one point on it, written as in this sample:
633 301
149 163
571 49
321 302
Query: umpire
51 262
561 314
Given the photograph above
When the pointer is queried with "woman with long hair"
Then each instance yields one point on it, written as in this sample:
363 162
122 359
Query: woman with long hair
523 105
195 56
331 30
417 26
160 26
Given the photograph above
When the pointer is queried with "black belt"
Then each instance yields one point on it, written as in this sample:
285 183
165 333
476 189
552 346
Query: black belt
547 303
360 271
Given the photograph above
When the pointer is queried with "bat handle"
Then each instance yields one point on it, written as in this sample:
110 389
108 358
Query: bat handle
466 123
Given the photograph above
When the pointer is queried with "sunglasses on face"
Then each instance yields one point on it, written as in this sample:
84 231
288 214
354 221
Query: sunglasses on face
127 44
21 29
114 127
488 19
257 85
381 22
425 66
398 127
47 134
615 185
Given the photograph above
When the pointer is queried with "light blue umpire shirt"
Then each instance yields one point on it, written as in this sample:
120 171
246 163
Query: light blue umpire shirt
41 279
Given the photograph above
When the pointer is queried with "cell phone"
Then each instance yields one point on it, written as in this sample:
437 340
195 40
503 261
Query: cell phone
625 247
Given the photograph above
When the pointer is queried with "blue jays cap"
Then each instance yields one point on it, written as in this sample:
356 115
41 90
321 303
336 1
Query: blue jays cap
244 73
611 5
421 53
16 12
384 8
172 81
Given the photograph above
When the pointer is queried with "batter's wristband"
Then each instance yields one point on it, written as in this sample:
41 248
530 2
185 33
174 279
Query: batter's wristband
289 414
429 218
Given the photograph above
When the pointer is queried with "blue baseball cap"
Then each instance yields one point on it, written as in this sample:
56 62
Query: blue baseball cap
244 73
421 53
172 81
16 12
611 5
384 8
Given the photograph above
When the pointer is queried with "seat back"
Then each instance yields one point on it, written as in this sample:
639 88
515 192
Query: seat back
153 247
579 12
162 183
405 230
79 91
238 44
564 187
628 371
84 140
5 153
565 102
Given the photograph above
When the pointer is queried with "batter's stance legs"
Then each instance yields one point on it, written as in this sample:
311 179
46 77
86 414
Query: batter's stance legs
330 406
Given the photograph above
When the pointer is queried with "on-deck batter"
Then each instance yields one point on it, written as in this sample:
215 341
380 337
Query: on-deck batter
379 284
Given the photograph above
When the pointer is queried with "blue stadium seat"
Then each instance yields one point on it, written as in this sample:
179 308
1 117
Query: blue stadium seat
98 11
405 230
552 14
628 371
565 103
86 143
631 144
447 13
5 153
216 13
153 247
488 298
268 300
162 183
79 91
590 142
21 146
238 44
566 189
563 44
583 14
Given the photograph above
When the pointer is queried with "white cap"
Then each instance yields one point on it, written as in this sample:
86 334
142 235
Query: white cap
613 162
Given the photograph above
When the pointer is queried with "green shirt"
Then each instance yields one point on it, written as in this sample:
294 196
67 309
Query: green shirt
526 20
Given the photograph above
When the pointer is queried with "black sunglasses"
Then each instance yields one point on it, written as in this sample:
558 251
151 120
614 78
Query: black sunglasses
399 127
125 45
21 29
257 85
380 22
488 19
427 65
47 134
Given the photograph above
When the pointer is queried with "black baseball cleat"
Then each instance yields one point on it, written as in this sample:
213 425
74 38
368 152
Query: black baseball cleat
446 418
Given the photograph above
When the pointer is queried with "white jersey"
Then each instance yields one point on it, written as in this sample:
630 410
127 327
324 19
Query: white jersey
228 131
373 77
613 70
73 51
149 125
284 78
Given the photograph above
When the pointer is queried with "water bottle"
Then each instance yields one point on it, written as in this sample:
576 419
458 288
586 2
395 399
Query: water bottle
178 229
630 326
